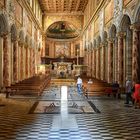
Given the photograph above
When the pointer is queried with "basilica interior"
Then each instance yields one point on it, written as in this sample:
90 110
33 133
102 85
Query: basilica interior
45 45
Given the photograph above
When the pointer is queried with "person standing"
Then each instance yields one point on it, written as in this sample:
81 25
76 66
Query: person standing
136 94
128 91
79 85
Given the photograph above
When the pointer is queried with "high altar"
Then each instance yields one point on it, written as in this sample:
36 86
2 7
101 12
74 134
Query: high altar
63 69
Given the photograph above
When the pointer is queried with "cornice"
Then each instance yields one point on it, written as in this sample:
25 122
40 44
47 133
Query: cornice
62 40
29 9
65 14
93 15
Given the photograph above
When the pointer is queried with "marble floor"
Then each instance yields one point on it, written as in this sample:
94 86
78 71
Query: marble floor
101 118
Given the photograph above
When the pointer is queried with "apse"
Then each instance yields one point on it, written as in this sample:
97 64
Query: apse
62 30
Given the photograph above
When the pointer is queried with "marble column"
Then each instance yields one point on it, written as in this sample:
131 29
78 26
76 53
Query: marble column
15 62
29 61
6 63
136 53
120 57
88 63
33 61
26 63
1 61
110 61
99 63
103 63
21 61
94 63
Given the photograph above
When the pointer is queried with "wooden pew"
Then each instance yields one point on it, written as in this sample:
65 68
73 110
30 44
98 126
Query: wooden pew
34 85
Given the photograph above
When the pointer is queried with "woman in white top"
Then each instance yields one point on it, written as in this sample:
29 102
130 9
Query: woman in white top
79 85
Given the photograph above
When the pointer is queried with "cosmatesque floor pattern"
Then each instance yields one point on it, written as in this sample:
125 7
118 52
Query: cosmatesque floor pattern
112 121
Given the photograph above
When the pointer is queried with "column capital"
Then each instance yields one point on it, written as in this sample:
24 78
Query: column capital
4 35
121 34
103 44
110 40
135 27
21 43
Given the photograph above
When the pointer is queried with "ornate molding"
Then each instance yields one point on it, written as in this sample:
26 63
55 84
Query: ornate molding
135 27
121 34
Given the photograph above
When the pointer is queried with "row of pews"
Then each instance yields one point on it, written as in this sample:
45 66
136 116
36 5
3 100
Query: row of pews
98 87
31 86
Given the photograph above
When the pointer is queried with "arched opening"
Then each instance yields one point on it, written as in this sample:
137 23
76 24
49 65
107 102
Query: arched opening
127 49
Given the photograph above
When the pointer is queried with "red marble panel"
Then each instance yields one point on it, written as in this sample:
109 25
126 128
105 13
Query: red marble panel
109 11
18 12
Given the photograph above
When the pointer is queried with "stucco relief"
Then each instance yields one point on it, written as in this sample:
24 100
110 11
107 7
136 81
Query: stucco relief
118 7
101 24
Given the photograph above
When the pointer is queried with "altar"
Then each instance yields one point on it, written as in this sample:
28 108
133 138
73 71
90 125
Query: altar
62 69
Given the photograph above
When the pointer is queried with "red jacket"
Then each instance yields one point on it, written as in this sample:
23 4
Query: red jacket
137 92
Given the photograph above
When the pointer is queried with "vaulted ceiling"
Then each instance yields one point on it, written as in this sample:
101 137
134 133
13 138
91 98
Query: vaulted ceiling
63 6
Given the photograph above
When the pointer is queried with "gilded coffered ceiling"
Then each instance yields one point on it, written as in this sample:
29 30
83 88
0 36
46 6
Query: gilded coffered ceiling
63 6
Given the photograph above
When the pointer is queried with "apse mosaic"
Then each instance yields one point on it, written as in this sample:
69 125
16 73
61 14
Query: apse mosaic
62 30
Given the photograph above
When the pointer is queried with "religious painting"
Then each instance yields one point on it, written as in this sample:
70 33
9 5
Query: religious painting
62 49
47 50
29 26
109 11
18 12
2 3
